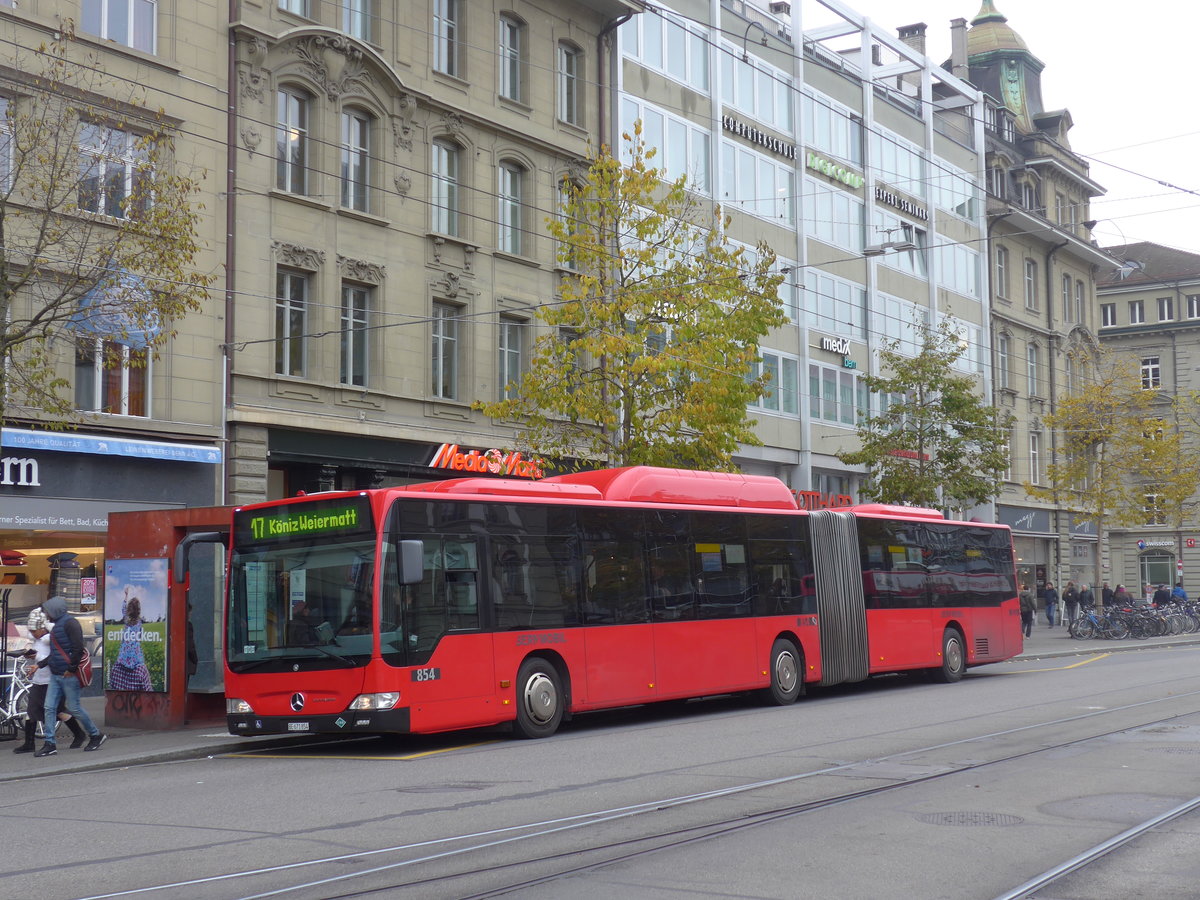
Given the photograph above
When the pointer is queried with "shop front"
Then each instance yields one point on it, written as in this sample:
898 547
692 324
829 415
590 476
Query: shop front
1034 544
57 490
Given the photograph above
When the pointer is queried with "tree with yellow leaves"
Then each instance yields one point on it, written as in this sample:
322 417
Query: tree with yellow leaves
1116 452
649 349
98 228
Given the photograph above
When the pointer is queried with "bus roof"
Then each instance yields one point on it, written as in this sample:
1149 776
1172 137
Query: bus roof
633 484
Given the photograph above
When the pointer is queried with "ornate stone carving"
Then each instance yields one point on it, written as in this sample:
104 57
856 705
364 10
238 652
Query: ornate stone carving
334 62
403 182
451 285
360 270
251 137
402 127
298 256
254 83
454 123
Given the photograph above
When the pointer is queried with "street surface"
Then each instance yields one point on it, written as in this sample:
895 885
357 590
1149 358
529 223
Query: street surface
895 788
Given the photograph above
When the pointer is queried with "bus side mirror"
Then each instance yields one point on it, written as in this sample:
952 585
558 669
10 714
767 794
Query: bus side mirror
412 561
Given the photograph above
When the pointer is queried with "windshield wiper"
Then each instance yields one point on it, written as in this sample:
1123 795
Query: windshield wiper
347 662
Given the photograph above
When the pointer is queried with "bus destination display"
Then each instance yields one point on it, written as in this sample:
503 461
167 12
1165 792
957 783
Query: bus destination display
341 517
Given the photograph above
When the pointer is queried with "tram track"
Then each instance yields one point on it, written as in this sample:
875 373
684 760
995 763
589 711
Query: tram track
442 857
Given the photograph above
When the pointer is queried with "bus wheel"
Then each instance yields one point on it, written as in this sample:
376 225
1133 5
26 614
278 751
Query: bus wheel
539 700
787 674
954 658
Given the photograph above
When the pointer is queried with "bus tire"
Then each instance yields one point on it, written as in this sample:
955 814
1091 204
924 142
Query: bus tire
539 699
787 674
954 658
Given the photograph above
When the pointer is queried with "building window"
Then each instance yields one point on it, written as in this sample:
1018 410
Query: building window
782 390
445 37
997 182
835 396
445 177
111 377
1137 312
1193 306
291 312
356 155
128 22
356 18
444 353
512 50
670 44
1069 374
299 7
1006 451
683 148
1151 373
1031 370
291 141
1035 458
1068 299
1003 360
1031 291
1108 315
510 191
511 355
114 174
570 74
1001 271
1080 304
356 311
6 145
1154 508
1166 309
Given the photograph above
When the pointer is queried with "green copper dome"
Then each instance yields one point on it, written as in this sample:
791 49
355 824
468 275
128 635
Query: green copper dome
990 32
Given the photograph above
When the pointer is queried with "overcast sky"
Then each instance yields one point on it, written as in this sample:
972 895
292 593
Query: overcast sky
1126 72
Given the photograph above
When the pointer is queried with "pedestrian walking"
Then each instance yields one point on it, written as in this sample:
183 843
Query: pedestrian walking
35 710
1050 598
1028 606
66 650
1070 598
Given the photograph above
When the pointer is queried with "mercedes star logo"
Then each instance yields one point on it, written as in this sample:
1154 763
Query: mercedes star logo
297 702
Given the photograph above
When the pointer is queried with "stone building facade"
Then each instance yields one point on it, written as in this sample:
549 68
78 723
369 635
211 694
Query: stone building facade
1150 308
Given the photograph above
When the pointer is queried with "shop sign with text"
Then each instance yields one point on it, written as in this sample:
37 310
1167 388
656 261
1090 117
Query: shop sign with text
19 471
906 206
755 136
834 171
486 462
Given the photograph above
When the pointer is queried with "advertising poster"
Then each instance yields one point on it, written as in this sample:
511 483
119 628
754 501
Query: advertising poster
135 624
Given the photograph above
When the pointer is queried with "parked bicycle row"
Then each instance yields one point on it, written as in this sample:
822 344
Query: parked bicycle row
1139 622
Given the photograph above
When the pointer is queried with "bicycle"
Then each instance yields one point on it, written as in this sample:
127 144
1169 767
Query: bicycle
14 698
1090 625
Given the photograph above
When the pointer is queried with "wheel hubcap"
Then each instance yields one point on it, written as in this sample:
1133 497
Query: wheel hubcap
786 673
541 699
954 655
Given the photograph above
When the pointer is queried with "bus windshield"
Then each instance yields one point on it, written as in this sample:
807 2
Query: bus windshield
301 596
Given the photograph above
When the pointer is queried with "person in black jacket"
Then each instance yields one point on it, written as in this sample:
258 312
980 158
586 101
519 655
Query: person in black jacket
1086 598
1162 596
66 650
1070 598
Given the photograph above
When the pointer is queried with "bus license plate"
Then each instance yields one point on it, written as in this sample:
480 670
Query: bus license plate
297 726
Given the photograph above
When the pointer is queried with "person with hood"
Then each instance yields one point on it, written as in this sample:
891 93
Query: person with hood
39 629
66 650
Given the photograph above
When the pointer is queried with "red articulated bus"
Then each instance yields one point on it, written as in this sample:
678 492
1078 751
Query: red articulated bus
479 601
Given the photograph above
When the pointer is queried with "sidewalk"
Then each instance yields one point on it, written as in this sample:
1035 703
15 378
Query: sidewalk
127 746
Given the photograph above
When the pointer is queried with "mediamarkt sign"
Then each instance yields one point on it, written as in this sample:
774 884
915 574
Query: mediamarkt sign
488 462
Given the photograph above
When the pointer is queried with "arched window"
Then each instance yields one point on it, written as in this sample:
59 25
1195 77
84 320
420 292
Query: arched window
291 140
570 81
444 202
511 191
511 81
356 157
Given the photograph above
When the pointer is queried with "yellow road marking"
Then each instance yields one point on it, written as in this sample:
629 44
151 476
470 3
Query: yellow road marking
1082 662
252 755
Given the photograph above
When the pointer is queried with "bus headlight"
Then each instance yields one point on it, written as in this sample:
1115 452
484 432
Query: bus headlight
236 707
385 700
